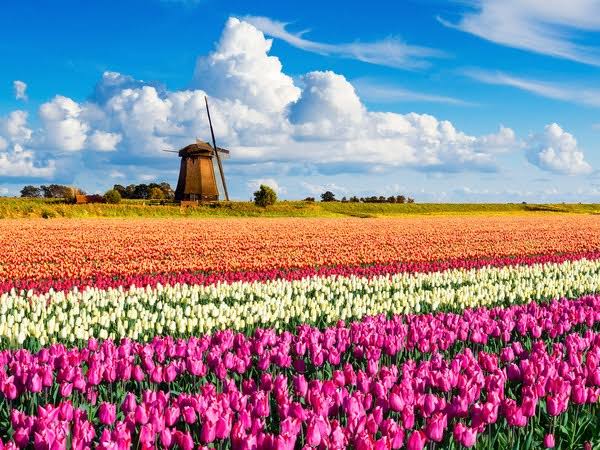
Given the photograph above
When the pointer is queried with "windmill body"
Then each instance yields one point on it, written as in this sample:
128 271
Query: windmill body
197 180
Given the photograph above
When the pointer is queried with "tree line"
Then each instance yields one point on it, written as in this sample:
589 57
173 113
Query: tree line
153 191
329 196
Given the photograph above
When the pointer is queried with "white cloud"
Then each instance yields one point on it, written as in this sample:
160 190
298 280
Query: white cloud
14 127
318 189
15 160
318 124
63 125
117 174
573 94
550 27
69 126
328 107
390 52
557 151
19 162
241 69
20 87
375 91
254 184
104 141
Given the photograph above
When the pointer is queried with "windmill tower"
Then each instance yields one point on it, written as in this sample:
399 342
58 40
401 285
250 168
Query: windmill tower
197 181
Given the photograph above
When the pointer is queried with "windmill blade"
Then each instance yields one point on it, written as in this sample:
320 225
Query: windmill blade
170 151
217 152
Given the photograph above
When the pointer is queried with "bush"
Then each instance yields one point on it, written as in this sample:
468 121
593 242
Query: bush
156 193
328 197
112 196
265 196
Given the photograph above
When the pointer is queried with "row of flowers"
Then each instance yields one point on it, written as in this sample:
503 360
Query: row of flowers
439 400
184 310
100 281
60 372
84 249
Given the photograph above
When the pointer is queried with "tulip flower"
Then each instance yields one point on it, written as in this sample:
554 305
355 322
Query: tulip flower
107 413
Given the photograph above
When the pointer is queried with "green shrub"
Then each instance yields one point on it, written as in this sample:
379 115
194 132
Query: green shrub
112 196
265 196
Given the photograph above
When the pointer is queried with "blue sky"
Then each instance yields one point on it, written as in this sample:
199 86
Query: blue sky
484 100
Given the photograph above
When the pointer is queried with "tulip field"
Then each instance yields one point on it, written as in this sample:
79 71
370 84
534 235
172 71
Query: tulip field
440 332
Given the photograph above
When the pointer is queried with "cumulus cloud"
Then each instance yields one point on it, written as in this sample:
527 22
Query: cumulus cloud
64 128
550 27
104 141
69 126
390 52
241 69
268 121
19 162
16 161
557 151
20 87
14 127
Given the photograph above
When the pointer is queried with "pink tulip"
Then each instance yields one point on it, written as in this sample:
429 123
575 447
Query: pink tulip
107 413
416 440
313 434
549 441
436 426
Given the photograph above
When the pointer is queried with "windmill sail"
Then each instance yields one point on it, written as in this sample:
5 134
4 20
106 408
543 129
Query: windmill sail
217 153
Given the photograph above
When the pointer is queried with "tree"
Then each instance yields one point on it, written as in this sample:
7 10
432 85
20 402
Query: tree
400 199
156 193
141 191
57 191
328 196
130 191
344 199
391 199
309 199
120 189
354 199
112 196
410 200
167 190
31 191
265 196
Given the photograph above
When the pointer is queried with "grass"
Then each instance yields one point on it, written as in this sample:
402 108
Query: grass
50 208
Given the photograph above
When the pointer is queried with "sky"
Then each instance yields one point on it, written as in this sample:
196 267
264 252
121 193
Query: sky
451 101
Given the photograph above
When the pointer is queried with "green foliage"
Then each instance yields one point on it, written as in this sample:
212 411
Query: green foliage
31 191
265 196
156 193
328 197
58 191
146 191
33 208
112 196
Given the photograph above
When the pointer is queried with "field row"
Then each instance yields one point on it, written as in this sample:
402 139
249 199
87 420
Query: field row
183 310
365 386
84 249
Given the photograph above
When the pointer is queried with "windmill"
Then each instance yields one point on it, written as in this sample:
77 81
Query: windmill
197 181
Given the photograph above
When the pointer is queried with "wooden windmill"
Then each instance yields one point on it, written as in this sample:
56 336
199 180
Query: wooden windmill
197 181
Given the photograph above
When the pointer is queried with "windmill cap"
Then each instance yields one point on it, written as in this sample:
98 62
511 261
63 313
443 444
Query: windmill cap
198 148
